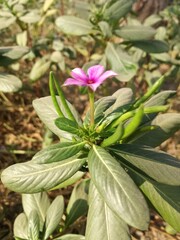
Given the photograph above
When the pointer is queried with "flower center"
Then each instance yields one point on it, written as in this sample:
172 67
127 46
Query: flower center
89 81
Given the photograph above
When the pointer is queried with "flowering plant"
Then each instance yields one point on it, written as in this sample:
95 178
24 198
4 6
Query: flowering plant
116 144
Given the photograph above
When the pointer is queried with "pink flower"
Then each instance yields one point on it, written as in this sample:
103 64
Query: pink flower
94 77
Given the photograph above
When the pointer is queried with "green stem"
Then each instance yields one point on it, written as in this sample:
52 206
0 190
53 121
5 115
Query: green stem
53 95
62 98
91 102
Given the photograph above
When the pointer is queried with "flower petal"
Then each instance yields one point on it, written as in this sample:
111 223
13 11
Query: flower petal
106 75
94 86
72 81
79 74
95 72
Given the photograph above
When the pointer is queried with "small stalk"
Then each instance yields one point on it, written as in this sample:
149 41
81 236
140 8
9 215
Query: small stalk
150 92
62 98
91 102
53 96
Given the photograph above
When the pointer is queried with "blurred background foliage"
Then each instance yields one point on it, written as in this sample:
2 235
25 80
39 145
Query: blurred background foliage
138 40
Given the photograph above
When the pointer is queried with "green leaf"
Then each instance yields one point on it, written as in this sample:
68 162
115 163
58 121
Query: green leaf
123 96
22 38
9 83
77 176
151 46
68 125
58 152
5 22
100 107
20 226
105 28
9 55
32 177
47 4
38 202
156 164
160 98
102 222
73 25
118 10
165 198
33 226
167 124
53 216
117 189
46 111
41 67
120 62
136 32
31 17
71 237
78 205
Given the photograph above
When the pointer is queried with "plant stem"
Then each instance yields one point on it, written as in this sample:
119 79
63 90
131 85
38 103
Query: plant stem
62 98
53 95
91 101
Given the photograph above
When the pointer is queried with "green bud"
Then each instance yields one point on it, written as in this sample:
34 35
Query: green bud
150 92
134 124
116 136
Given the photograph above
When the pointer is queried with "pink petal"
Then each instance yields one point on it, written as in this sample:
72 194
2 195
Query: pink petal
72 81
94 86
106 75
95 72
79 74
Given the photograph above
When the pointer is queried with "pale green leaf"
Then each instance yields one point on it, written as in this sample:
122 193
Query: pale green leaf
47 113
136 32
21 38
53 216
118 10
158 165
73 25
20 226
105 28
9 83
120 62
38 202
71 237
77 176
58 152
31 17
100 107
39 69
78 205
102 222
32 177
123 96
117 189
33 226
165 198
9 55
47 5
166 125
160 98
6 22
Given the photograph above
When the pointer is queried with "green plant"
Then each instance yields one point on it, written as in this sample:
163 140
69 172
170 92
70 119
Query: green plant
116 145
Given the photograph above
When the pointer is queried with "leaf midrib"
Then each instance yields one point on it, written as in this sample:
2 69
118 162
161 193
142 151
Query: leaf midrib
49 169
112 174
